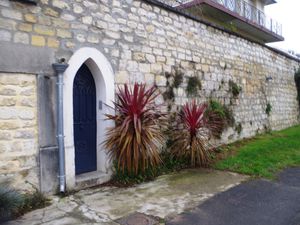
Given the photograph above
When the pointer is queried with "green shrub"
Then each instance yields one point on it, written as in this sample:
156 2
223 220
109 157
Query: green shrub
10 202
13 203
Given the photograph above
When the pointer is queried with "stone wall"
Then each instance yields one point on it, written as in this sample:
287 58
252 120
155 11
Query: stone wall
18 130
143 43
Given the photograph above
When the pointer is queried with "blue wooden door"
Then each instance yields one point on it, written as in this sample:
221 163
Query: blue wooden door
84 114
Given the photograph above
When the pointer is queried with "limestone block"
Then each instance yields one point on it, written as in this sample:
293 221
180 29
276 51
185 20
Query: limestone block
44 30
21 37
77 9
38 40
145 68
150 58
7 24
122 77
27 27
53 42
92 38
50 12
8 91
31 18
87 20
156 68
61 4
139 56
5 35
63 33
149 78
7 101
11 13
112 34
160 80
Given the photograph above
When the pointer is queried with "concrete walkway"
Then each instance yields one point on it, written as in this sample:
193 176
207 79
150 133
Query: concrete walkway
258 202
150 203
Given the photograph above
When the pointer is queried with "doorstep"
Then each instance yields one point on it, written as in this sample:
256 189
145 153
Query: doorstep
91 179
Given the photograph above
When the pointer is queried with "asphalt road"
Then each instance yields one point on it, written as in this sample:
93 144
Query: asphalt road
256 202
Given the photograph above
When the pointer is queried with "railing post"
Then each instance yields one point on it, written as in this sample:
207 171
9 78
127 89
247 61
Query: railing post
244 9
271 21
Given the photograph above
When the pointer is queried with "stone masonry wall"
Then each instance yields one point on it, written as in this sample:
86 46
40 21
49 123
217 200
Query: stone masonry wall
143 43
18 130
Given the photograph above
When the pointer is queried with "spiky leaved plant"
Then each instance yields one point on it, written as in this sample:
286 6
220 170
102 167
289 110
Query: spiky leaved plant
135 140
192 134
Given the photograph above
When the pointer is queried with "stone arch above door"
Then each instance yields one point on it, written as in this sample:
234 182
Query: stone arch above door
104 80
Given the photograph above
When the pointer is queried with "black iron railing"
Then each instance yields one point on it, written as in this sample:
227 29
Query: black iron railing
242 8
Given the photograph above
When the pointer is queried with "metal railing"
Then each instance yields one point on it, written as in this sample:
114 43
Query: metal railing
242 8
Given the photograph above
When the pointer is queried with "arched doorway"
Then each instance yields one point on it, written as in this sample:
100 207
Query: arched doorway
92 62
85 123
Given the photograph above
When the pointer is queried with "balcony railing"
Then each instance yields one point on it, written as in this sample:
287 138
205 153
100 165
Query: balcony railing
240 7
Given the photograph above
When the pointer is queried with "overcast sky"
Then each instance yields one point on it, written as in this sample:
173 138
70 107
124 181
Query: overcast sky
287 12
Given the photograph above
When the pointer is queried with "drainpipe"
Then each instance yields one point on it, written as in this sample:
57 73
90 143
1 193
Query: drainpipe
60 68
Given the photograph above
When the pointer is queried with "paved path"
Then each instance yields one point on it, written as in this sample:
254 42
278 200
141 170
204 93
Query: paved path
257 202
166 197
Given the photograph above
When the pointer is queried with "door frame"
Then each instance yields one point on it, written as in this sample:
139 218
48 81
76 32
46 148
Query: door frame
105 91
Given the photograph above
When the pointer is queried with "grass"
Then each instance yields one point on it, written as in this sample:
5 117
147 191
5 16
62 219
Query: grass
264 155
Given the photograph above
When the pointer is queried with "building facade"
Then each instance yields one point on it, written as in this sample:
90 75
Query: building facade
107 43
246 17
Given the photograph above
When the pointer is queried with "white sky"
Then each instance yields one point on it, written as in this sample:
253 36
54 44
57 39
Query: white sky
287 12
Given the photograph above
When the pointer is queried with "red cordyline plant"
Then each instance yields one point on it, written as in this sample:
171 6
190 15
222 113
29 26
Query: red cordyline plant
135 140
192 135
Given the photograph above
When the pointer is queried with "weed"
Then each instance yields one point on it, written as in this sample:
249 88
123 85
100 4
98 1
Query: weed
239 128
268 109
193 86
178 78
234 89
223 113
